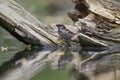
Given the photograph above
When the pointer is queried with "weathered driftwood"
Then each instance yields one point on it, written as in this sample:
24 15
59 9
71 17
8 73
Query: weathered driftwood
21 24
102 19
98 18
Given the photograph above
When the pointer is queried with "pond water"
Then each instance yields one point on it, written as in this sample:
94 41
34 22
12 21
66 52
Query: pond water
31 65
22 62
18 62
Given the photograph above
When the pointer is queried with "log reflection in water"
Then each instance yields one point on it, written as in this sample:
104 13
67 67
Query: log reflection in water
71 57
27 63
107 68
23 65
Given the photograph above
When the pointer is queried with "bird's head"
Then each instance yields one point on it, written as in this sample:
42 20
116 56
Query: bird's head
60 26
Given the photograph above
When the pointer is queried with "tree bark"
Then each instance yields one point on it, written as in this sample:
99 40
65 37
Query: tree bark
22 25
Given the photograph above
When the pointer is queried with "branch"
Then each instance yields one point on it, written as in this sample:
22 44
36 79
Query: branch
22 25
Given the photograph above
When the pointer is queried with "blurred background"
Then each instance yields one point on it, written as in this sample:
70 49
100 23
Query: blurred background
49 11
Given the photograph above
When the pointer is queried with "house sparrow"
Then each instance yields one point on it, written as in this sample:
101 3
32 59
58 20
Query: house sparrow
64 33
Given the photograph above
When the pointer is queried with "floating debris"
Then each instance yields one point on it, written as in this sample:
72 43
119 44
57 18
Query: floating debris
4 49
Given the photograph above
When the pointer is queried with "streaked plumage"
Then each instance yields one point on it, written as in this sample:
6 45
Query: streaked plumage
64 33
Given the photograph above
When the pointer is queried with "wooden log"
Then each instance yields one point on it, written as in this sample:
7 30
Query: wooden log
22 25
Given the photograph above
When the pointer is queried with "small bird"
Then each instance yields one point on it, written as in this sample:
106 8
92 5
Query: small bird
64 33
